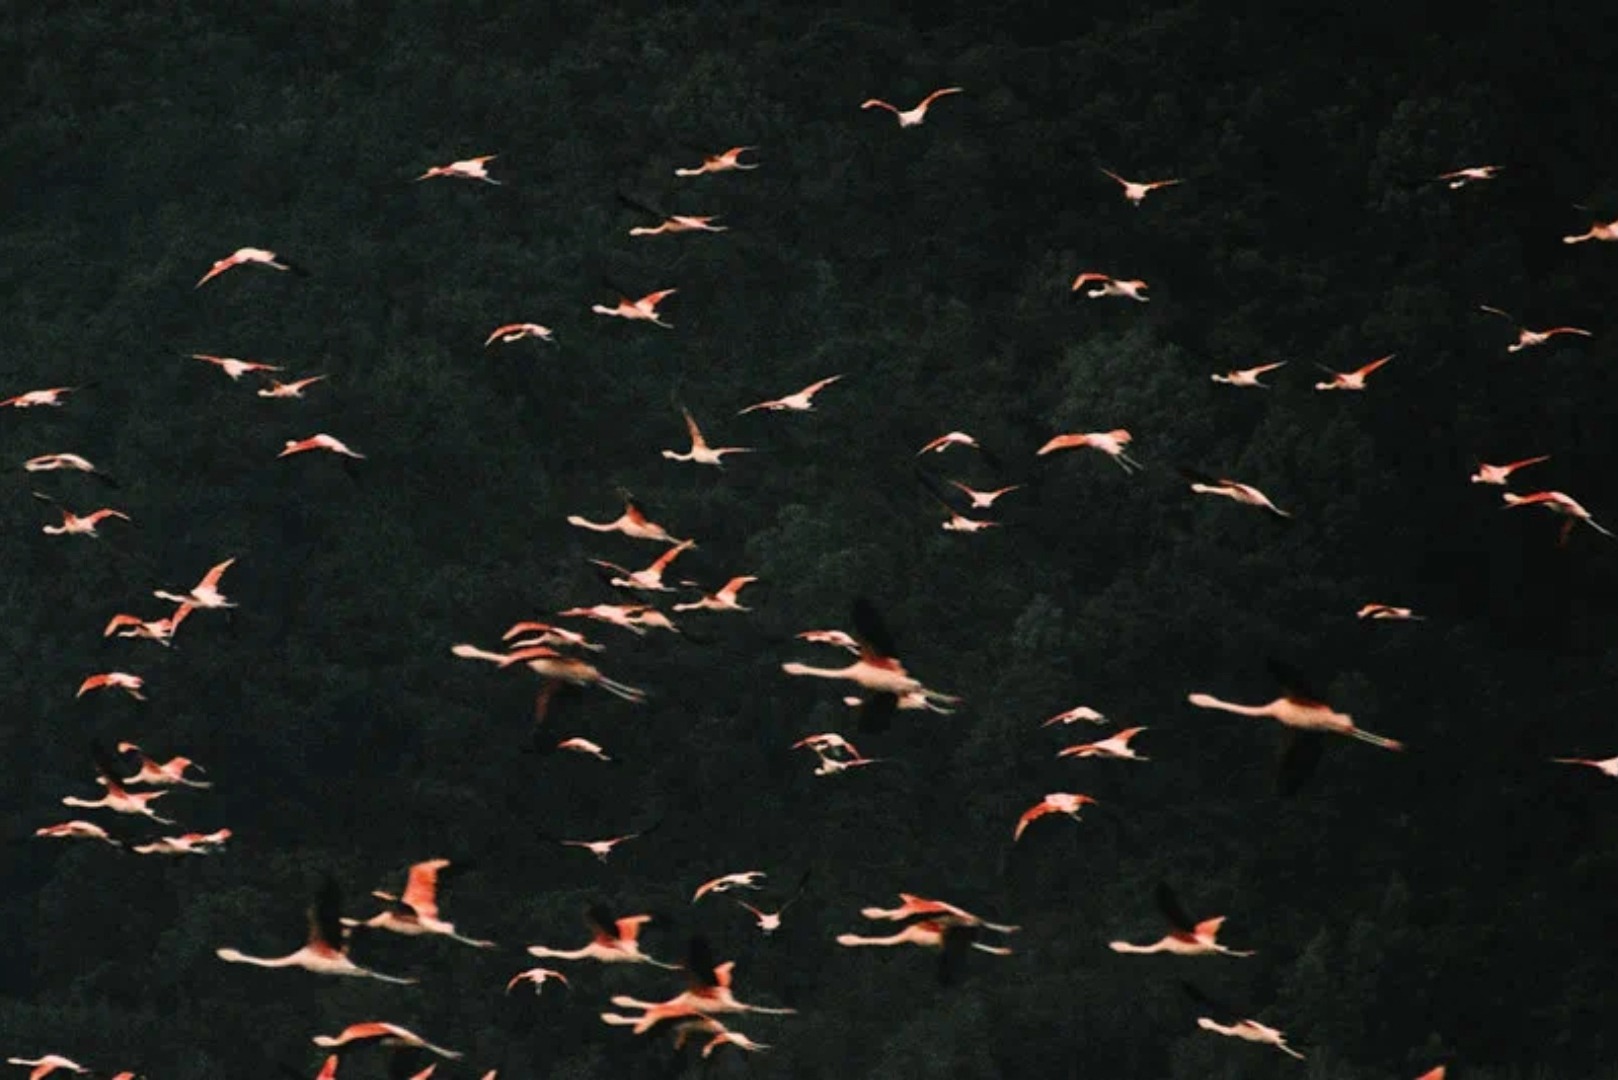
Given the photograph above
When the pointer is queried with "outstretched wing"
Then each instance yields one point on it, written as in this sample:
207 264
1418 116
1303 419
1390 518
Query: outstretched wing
1169 905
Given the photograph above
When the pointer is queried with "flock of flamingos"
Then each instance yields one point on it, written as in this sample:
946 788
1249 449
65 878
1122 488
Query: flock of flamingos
132 783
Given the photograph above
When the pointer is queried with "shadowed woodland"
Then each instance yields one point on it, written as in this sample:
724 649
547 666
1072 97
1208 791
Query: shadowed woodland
1451 904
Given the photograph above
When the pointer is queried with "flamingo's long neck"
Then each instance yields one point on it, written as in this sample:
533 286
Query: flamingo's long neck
1208 701
1130 947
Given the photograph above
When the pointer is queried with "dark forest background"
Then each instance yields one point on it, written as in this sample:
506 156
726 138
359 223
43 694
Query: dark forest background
1451 904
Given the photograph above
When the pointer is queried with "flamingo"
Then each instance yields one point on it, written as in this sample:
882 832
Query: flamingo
580 745
113 680
35 398
75 462
1250 1031
601 849
1526 338
1112 443
709 992
1472 174
538 976
1057 802
1559 503
205 594
1246 494
1107 285
416 912
1499 474
166 774
841 639
1298 708
381 1033
700 452
632 522
613 941
159 630
1609 766
911 905
1437 1073
476 168
1387 611
116 798
75 524
947 440
187 844
1136 192
632 617
1248 376
724 161
75 830
802 401
321 441
651 578
1597 231
44 1066
949 934
1115 746
559 670
724 599
1074 715
741 879
294 389
642 310
247 255
982 500
725 1036
923 700
876 670
827 742
233 367
1350 380
325 951
1186 937
910 117
679 223
830 765
548 635
510 332
770 921
956 521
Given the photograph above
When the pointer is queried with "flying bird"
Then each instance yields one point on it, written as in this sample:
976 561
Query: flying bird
476 168
1112 443
877 669
910 117
944 442
162 774
1074 715
113 680
44 1066
701 453
381 1033
1236 1026
1114 746
415 912
1500 474
614 940
724 161
205 593
1107 285
294 389
642 310
510 332
1350 380
1472 174
669 224
321 441
74 462
1298 707
648 580
233 367
741 879
325 951
1608 766
75 524
1597 231
1526 338
1387 611
1057 802
1246 494
1248 376
723 600
248 255
802 401
632 522
770 921
116 797
1186 937
1136 192
35 398
538 976
1559 503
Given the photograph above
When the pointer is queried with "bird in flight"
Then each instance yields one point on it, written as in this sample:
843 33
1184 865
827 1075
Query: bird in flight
632 522
601 849
741 879
324 952
1597 231
1186 937
35 398
75 462
724 161
159 630
1248 376
802 401
1608 766
1559 503
1106 285
1526 338
115 680
162 774
1246 494
476 168
1112 443
188 844
1236 1026
321 441
1387 611
1057 802
1114 746
1299 708
1350 380
233 367
44 1066
877 669
614 940
117 798
294 389
381 1033
951 502
248 255
701 453
724 599
75 830
642 310
1136 192
75 524
205 594
1472 174
770 921
648 580
516 331
910 117
668 224
1500 474
1074 715
416 911
538 976
945 441
982 500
